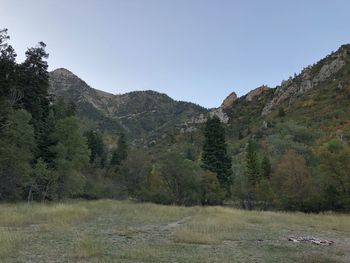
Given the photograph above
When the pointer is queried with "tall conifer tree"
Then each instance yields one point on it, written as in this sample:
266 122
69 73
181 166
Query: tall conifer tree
214 156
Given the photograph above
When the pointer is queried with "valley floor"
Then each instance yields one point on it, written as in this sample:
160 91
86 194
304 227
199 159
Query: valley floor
123 231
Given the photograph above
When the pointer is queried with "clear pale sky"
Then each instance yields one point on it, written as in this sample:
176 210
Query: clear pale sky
193 50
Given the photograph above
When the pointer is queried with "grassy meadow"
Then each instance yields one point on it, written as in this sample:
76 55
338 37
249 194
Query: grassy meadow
123 231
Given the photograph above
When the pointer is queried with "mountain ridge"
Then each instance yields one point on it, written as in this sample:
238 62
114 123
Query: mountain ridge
149 115
142 114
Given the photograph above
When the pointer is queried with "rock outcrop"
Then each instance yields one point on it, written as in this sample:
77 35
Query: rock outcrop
202 118
256 92
220 114
229 100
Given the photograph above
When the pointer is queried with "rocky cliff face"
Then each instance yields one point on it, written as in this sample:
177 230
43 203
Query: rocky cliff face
229 100
64 83
309 78
256 92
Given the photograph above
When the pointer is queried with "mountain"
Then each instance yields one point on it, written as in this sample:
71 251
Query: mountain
144 115
317 98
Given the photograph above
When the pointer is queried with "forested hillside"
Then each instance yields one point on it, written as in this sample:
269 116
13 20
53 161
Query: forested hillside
274 148
145 116
290 143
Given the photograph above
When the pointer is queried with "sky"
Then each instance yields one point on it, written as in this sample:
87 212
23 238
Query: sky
192 50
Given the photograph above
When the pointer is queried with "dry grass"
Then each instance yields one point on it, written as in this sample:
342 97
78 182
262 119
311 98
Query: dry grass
123 231
192 235
86 247
10 242
140 213
26 214
216 224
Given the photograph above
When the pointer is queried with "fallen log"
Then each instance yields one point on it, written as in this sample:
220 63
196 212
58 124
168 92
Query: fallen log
311 239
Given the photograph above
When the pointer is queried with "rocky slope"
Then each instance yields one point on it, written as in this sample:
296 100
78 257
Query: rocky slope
310 77
143 115
318 98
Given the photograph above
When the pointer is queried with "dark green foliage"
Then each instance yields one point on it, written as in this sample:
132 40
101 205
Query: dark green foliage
240 135
211 192
190 155
266 167
9 92
133 173
214 156
43 182
72 155
97 148
34 81
335 166
120 153
281 112
181 179
16 153
252 164
61 109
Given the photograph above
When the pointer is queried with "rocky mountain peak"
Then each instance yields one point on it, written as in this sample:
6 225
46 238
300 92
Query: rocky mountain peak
144 115
62 72
229 100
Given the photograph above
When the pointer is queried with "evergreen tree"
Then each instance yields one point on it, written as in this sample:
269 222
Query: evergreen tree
16 146
252 165
97 148
9 93
214 156
121 152
34 82
265 167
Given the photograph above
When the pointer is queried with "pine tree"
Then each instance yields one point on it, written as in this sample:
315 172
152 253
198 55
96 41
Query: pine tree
252 164
96 146
265 167
9 94
34 82
121 152
215 157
